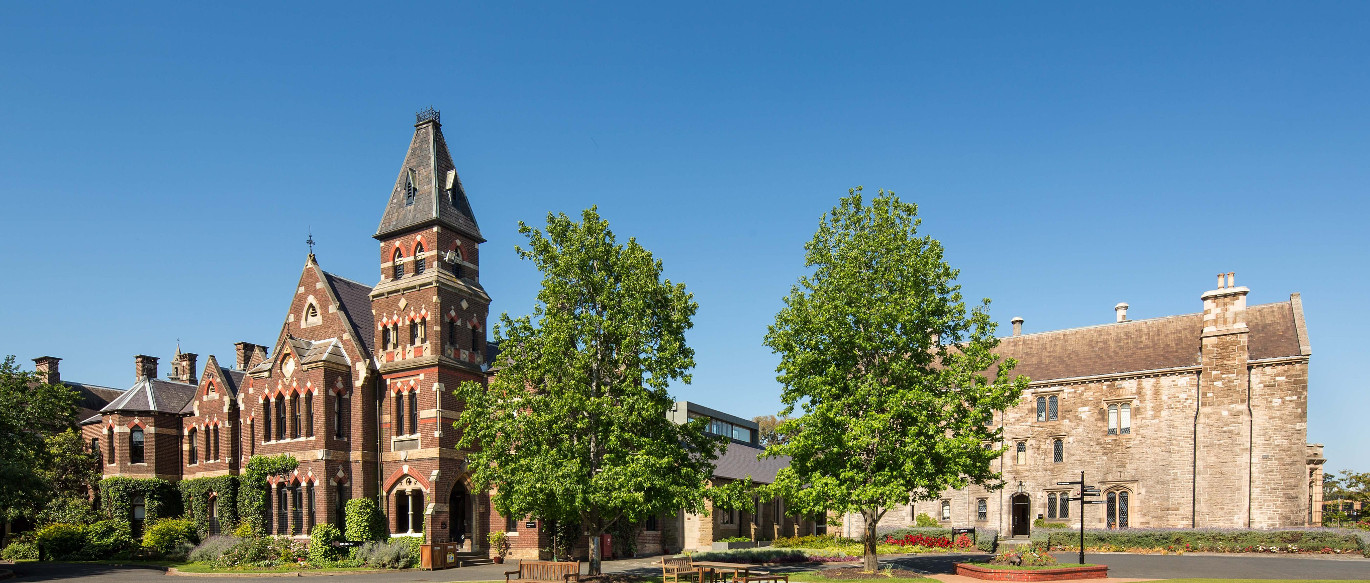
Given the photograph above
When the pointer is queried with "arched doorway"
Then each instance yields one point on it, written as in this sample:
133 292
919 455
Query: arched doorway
213 510
1022 515
459 515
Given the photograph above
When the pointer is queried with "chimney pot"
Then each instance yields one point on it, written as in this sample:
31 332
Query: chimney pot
46 367
1121 311
1231 279
1017 325
145 367
1220 281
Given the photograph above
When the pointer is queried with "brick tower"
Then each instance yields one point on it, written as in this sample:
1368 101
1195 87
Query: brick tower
430 312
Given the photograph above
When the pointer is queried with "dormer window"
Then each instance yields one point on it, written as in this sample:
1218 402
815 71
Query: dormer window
398 260
409 191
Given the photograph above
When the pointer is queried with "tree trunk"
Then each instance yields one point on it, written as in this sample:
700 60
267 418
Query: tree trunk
594 553
871 562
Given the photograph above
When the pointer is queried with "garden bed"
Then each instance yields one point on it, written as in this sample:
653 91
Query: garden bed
1016 573
1210 540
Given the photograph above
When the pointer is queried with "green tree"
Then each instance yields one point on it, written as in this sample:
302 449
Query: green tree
573 428
69 470
891 370
1346 486
768 429
30 411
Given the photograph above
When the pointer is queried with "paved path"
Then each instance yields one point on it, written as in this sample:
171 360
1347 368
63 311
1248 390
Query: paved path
1120 565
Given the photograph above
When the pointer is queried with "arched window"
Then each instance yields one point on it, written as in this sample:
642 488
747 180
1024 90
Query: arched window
413 411
1065 506
946 510
311 314
338 415
209 451
282 509
419 262
109 444
452 333
475 340
213 509
1125 418
135 446
1051 505
1041 408
296 510
414 327
309 414
216 443
1021 451
294 416
398 421
252 437
340 507
398 260
385 337
309 508
456 265
280 417
190 456
1111 510
981 509
1052 408
1058 451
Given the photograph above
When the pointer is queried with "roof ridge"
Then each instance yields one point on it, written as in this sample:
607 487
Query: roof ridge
351 281
1157 318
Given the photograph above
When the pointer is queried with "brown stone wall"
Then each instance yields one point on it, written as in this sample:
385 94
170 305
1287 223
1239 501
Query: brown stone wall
1279 433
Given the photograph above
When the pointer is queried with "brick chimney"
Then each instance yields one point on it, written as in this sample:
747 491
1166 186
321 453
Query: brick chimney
183 367
1120 311
1017 325
46 366
144 367
249 354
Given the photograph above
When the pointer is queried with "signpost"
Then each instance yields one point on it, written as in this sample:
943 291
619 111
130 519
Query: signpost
1085 492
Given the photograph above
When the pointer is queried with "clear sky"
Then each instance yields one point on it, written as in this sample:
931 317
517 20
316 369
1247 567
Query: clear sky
161 164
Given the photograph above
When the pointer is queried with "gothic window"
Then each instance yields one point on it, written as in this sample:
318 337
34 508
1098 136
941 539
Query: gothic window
1112 419
216 443
294 416
452 333
266 421
981 509
1058 454
252 437
475 340
309 414
135 446
1065 506
385 337
190 457
1111 510
296 510
1041 408
338 415
946 510
413 332
282 509
1120 519
340 508
311 314
413 411
109 443
1125 418
1052 408
409 191
398 260
280 417
95 449
1051 505
419 262
1021 453
399 415
309 508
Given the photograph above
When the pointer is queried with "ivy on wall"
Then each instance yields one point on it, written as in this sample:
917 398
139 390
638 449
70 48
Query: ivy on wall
160 499
195 496
253 489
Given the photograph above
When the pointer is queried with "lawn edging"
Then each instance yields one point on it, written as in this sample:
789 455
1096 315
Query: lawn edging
1048 574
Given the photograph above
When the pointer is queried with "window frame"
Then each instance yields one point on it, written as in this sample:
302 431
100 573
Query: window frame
1053 407
1058 450
397 264
419 263
1041 408
1020 453
413 397
191 456
309 414
981 509
137 448
946 510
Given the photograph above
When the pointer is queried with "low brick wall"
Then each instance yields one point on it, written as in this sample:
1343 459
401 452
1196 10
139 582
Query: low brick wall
1062 574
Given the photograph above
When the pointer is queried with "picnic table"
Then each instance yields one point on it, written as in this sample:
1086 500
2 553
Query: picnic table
739 569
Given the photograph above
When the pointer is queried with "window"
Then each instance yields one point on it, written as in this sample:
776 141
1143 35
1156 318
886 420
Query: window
135 446
309 414
95 448
282 509
1051 505
1111 511
309 510
216 443
409 191
191 457
1058 454
652 524
340 508
338 415
280 418
1064 502
294 416
981 509
1122 509
419 262
296 510
399 414
398 260
1125 418
385 337
266 421
511 524
139 515
1041 408
452 334
1052 408
475 339
311 314
1112 419
251 437
743 434
413 411
946 510
1021 453
109 441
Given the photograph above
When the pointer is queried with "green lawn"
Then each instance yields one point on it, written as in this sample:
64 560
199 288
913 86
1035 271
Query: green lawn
813 577
1255 581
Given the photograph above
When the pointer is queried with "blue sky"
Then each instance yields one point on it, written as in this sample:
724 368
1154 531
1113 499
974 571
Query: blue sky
160 164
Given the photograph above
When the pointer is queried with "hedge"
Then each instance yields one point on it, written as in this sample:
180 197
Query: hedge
160 498
1209 540
365 521
171 538
253 489
195 494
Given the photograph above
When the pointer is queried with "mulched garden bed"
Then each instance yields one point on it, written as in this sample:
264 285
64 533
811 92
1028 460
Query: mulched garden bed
857 573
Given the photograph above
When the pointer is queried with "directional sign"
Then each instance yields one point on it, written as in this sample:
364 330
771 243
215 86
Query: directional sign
1092 502
1068 483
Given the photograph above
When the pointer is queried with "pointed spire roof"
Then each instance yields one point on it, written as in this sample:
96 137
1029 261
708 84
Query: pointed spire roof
421 195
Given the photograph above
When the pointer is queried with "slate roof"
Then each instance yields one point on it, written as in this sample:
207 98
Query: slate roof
93 397
90 420
740 460
1142 345
232 378
356 306
427 163
154 395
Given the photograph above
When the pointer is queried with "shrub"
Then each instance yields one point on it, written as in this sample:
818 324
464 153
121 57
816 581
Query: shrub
244 530
931 542
160 498
499 542
925 531
1042 523
813 541
62 541
395 553
1030 558
364 521
1208 540
321 549
986 539
20 549
923 520
109 539
767 556
67 510
743 539
212 549
173 537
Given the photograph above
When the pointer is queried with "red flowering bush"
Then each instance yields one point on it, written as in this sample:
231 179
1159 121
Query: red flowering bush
932 542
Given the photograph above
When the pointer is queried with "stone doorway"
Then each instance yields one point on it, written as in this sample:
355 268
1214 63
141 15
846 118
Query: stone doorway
1022 515
459 517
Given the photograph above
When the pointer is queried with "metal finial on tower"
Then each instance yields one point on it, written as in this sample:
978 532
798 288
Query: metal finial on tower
310 241
429 114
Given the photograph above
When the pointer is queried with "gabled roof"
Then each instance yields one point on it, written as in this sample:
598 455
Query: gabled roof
427 165
311 351
739 460
355 302
153 395
1143 345
93 397
233 379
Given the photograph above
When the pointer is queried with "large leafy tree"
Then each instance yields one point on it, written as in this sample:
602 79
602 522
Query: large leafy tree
30 412
896 379
573 428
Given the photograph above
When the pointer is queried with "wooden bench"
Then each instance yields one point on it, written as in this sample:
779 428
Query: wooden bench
758 576
673 568
545 572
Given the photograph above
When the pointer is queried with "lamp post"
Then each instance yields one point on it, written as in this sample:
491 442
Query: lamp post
1085 492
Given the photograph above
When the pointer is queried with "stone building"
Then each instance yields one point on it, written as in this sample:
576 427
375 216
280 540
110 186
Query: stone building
1196 420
